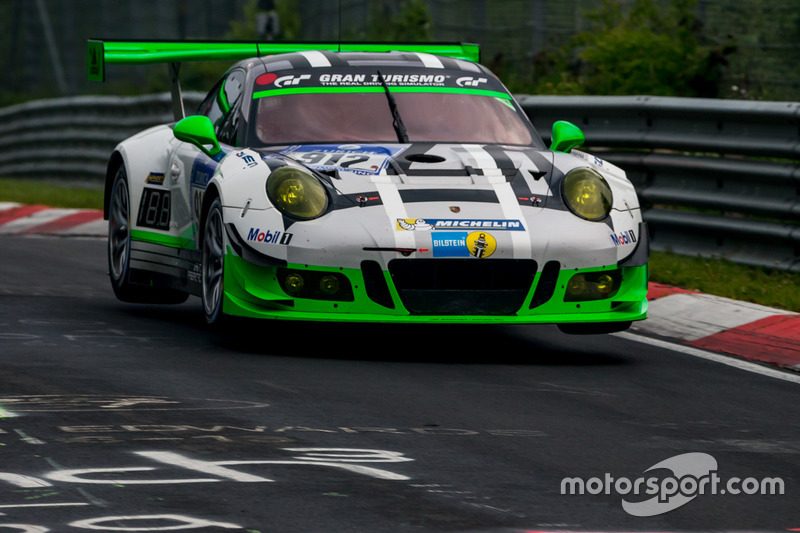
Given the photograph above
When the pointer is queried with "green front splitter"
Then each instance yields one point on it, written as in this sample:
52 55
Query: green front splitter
253 291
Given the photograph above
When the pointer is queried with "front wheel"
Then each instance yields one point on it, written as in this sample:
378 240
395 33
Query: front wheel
213 265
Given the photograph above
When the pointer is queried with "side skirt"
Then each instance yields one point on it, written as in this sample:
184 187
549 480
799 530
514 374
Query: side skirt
162 266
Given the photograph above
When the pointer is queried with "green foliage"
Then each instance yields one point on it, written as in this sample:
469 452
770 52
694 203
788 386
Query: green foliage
201 76
55 194
405 21
649 48
244 28
410 23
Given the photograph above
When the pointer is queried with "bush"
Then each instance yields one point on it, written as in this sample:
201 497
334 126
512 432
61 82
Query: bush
646 49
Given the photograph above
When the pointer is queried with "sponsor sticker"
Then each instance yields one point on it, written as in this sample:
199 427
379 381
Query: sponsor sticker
291 80
450 244
478 244
428 224
155 178
248 159
351 79
623 237
269 236
481 244
469 81
355 158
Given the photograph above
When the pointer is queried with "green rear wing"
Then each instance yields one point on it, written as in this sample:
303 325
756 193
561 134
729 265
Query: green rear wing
101 52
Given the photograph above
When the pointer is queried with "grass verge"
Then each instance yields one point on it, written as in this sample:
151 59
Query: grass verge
774 288
55 194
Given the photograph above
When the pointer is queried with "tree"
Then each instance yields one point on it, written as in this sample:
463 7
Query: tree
645 49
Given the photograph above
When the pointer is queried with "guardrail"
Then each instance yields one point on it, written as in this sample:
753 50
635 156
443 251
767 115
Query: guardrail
73 137
715 177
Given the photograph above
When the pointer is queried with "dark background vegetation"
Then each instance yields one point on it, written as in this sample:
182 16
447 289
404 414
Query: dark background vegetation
705 48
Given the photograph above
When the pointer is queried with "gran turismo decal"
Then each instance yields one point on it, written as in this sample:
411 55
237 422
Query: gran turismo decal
391 79
428 224
291 80
155 209
469 81
623 238
269 236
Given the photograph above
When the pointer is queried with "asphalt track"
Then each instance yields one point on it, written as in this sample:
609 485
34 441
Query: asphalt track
491 419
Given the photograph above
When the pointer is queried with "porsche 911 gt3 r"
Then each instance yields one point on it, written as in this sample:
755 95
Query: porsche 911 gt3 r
371 183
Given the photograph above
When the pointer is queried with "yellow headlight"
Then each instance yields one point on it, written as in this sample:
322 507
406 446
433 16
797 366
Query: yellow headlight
587 194
297 193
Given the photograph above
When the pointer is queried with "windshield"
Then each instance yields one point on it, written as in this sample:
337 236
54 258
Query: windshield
362 114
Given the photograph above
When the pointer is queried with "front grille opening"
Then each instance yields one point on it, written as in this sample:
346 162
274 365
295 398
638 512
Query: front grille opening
462 286
375 284
547 284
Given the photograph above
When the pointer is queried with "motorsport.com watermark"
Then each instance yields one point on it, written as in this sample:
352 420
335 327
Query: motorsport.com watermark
692 475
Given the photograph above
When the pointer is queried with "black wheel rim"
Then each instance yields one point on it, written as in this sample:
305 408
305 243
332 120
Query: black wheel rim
213 263
118 230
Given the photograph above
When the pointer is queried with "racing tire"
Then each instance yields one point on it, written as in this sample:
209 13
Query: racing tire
594 329
213 265
119 251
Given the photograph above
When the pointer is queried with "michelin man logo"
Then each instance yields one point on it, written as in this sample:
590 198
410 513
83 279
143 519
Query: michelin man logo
413 224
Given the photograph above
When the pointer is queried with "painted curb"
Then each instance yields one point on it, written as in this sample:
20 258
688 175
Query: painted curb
742 329
17 219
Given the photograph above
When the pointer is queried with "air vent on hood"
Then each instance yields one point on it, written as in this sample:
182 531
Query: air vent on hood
424 158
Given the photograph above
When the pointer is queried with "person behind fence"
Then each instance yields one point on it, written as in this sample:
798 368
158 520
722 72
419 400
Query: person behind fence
267 20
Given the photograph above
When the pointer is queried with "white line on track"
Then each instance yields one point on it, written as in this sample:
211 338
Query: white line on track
24 505
27 438
709 356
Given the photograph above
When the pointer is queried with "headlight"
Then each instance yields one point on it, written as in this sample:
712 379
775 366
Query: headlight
297 193
587 194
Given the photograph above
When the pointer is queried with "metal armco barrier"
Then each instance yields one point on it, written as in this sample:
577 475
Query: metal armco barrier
73 137
716 177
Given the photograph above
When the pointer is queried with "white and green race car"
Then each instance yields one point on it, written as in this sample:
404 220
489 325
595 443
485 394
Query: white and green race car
371 183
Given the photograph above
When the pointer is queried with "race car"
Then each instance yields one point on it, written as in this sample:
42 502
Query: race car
355 182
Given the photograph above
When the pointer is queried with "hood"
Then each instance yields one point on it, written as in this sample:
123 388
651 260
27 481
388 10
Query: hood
432 171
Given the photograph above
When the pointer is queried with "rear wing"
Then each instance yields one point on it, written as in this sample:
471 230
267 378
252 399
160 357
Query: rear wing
101 52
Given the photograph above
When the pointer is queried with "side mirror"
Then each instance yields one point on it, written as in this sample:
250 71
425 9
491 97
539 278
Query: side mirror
199 131
566 136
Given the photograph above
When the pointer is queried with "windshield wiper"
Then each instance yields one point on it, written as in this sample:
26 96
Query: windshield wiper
397 122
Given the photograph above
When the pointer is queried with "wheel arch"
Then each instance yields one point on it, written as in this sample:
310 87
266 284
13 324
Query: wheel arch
114 162
212 193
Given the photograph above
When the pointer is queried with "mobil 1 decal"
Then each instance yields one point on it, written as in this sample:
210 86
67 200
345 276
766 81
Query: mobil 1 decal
362 159
155 209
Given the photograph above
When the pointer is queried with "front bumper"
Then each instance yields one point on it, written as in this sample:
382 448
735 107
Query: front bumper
254 291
